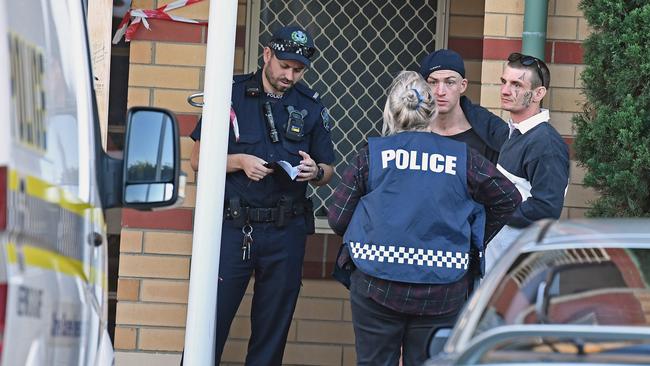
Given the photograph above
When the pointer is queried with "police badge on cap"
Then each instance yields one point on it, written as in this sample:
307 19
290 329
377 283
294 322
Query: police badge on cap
299 36
293 43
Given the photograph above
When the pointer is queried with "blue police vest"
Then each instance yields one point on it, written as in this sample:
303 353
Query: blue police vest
417 222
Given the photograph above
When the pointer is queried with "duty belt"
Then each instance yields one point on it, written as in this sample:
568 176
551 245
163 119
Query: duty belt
263 214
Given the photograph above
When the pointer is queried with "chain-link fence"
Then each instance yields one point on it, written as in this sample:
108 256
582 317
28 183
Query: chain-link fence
361 46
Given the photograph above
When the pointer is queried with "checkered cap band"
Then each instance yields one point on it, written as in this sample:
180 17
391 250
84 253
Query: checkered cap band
285 45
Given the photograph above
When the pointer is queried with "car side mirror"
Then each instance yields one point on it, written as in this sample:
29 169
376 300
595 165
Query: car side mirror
151 159
437 341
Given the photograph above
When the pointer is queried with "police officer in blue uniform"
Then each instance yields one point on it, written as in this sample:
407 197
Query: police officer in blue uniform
274 118
409 210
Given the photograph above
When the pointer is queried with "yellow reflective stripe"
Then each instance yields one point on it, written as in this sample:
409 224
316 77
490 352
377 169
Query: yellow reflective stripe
56 195
37 257
50 193
47 259
13 180
12 257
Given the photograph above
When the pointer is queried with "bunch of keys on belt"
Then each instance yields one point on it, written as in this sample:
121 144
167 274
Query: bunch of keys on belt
247 230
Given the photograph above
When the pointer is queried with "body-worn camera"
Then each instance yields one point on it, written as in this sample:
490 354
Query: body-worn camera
296 124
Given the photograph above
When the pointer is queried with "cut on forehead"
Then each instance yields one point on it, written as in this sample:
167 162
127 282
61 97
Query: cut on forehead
512 73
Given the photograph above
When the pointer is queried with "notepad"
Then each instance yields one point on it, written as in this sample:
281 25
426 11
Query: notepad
290 171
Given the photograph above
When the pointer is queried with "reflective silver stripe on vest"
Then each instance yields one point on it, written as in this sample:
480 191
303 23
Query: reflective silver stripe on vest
406 255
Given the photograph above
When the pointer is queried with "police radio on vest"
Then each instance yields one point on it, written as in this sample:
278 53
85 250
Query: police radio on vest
417 160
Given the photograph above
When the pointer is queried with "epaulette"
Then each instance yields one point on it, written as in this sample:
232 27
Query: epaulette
240 78
311 94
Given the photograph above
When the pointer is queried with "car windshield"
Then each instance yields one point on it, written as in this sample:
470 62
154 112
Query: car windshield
594 286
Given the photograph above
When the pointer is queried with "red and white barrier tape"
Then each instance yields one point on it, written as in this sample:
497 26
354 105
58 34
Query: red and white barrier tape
235 125
140 16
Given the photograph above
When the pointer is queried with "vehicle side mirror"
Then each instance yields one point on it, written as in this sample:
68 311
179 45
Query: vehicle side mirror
437 341
151 159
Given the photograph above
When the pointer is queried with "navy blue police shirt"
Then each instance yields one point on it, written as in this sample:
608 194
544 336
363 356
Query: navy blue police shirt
254 139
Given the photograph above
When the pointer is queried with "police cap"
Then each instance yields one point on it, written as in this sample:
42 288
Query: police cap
293 43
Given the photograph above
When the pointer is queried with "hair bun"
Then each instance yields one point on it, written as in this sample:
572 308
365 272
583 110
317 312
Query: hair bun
412 98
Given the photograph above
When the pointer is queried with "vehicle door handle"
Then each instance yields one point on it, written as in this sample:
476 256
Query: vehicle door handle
95 239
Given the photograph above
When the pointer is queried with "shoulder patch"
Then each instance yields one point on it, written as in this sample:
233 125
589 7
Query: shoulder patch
304 90
240 78
325 115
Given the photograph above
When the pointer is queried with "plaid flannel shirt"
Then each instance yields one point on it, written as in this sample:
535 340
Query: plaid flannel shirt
486 185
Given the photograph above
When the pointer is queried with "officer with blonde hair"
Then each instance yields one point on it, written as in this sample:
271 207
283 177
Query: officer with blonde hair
407 209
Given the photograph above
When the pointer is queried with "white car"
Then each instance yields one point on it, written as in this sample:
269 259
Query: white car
56 181
567 292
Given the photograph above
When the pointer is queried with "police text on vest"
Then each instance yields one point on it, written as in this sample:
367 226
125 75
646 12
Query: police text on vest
416 160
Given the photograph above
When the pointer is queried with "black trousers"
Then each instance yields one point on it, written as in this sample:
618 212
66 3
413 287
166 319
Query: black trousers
383 335
276 260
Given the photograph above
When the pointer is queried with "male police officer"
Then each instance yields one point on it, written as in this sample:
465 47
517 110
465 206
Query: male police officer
266 219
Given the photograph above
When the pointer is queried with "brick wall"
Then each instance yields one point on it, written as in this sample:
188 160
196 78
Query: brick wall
167 65
320 334
466 23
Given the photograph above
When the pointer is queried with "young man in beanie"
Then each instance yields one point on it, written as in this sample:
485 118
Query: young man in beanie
266 215
533 155
444 70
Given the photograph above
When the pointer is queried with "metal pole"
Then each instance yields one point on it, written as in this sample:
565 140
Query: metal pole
533 38
206 246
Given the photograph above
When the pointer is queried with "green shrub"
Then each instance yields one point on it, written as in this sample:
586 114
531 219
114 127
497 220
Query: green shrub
613 132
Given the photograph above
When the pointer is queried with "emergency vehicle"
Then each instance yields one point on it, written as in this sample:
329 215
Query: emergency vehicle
56 181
